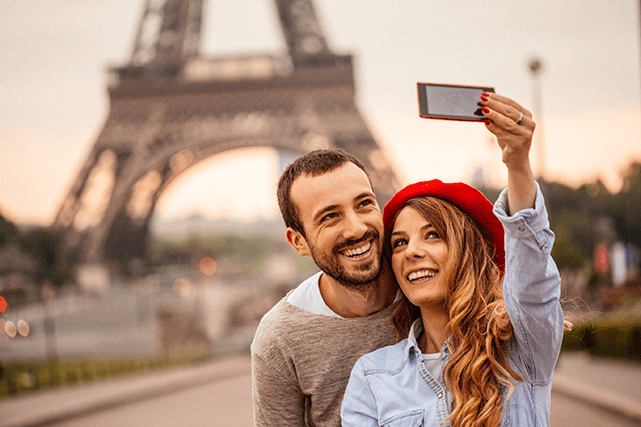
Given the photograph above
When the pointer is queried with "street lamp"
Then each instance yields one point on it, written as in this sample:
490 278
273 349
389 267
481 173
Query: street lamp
51 352
536 67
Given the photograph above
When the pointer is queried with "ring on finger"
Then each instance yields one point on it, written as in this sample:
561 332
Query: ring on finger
520 119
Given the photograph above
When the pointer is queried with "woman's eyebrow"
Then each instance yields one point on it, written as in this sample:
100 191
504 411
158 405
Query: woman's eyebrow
423 228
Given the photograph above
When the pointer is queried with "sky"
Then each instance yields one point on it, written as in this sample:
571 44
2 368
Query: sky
53 101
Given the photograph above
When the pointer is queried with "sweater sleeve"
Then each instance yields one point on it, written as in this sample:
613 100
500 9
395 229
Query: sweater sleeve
277 401
532 288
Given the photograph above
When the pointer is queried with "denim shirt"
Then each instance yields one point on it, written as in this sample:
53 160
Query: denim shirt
393 387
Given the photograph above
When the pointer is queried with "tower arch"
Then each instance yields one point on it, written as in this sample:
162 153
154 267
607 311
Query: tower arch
170 108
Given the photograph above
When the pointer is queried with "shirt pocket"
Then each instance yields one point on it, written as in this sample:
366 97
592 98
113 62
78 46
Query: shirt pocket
406 419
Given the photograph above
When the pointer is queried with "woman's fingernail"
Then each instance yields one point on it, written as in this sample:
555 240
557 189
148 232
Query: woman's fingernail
484 97
486 110
487 122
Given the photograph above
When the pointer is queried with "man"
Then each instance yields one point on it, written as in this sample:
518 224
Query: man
306 345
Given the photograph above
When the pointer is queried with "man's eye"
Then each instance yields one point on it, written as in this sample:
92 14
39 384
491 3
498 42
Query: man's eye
328 217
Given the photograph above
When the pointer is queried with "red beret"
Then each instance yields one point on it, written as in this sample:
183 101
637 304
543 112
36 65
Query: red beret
466 198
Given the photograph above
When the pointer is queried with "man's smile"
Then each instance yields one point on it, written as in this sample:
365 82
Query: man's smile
360 252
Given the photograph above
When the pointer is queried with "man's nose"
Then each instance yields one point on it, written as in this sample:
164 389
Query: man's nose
355 227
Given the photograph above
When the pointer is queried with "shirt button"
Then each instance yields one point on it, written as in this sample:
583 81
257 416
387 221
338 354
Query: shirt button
440 395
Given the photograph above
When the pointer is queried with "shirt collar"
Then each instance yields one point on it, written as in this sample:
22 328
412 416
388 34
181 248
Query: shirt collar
412 343
412 340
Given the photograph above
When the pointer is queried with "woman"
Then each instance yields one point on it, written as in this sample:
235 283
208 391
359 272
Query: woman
480 336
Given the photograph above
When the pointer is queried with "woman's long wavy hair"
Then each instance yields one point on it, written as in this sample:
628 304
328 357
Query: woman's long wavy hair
479 327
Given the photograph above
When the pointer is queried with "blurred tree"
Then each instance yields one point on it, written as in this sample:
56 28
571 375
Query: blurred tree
8 230
44 245
573 216
491 193
626 204
591 199
575 238
560 198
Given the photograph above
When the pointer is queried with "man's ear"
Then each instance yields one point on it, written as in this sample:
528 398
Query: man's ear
298 242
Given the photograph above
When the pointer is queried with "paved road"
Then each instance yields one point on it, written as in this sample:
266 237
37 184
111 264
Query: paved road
223 403
228 403
134 393
568 412
219 394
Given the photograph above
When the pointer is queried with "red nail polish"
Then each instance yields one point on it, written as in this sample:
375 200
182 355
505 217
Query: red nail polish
486 110
483 97
487 122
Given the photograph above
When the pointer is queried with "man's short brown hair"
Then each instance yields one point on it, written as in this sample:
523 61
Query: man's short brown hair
314 163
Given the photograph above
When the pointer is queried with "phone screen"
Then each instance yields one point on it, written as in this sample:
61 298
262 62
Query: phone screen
453 102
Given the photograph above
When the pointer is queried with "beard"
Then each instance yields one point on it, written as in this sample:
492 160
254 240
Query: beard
362 276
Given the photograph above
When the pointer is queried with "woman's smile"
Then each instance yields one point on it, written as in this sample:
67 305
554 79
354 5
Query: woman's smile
421 275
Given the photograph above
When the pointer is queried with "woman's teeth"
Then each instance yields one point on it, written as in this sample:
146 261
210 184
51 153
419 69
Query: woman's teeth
420 274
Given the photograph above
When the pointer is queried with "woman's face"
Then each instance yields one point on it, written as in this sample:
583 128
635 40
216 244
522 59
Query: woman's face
419 255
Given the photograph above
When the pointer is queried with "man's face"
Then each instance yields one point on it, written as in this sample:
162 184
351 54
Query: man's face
342 222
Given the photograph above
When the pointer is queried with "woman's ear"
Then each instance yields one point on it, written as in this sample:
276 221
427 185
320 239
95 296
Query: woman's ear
298 242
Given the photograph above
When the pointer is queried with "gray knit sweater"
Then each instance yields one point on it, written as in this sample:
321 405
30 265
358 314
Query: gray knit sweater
301 363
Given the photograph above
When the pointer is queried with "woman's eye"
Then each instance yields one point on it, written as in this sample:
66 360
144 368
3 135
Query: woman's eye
398 242
432 235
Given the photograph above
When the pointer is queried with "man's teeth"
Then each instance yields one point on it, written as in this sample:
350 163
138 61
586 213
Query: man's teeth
419 274
358 251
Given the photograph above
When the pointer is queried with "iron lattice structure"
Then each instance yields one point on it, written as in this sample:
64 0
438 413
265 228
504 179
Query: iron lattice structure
170 108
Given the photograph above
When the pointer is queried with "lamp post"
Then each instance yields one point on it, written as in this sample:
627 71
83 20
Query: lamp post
51 352
536 67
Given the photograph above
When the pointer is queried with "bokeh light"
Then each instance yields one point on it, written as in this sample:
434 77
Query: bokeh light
23 328
208 266
10 328
181 287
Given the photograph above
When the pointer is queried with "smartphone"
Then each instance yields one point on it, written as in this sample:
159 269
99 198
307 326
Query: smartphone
451 102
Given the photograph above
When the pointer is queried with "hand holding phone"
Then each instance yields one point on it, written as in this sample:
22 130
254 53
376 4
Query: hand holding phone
451 102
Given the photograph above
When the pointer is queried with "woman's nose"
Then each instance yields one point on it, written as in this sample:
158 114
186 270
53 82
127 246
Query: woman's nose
414 250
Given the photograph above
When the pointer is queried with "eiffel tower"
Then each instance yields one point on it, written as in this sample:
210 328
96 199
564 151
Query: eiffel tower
170 108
